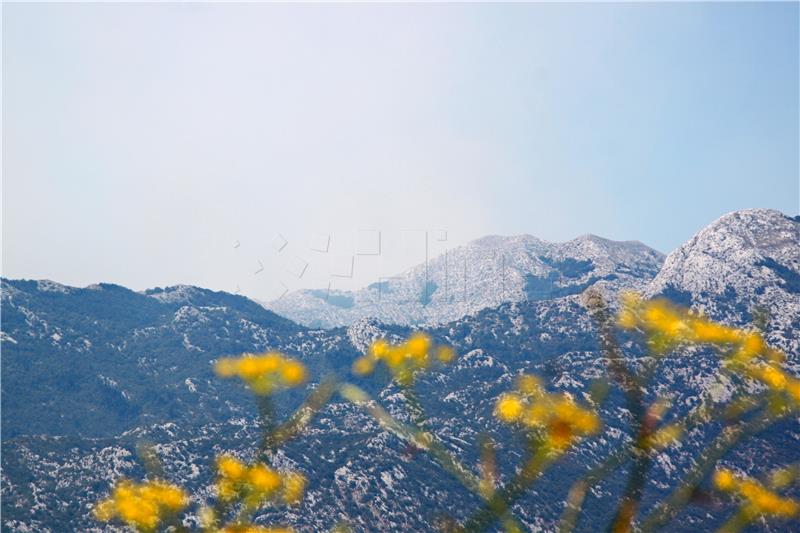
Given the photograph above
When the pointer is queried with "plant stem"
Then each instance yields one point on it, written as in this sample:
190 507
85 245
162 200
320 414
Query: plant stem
665 511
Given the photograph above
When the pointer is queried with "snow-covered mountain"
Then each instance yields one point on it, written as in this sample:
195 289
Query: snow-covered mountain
89 373
742 263
484 273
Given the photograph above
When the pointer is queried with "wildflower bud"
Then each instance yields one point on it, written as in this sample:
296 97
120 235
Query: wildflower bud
405 359
509 408
264 373
724 479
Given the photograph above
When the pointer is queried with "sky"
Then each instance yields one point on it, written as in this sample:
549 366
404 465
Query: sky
262 148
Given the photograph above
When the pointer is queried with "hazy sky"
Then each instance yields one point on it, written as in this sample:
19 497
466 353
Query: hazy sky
141 143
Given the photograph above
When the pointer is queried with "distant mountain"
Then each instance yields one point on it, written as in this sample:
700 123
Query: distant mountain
484 273
89 373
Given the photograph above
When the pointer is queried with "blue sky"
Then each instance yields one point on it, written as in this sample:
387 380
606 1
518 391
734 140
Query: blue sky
142 142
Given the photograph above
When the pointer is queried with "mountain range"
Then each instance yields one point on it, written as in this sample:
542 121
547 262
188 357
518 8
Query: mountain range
484 273
89 373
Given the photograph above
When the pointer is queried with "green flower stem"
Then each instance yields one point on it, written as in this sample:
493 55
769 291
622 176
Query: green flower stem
502 500
282 433
577 492
735 523
420 438
665 511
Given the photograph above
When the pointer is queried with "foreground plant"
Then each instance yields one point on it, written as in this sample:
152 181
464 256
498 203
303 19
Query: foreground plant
555 418
143 506
241 489
758 500
551 423
404 360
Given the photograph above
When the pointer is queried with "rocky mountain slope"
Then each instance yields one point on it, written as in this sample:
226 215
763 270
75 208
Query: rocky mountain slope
103 352
744 262
484 273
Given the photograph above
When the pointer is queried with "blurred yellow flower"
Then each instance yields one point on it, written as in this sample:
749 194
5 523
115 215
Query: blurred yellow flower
142 506
724 479
264 373
758 500
557 415
782 385
257 483
509 408
667 325
230 467
262 479
405 359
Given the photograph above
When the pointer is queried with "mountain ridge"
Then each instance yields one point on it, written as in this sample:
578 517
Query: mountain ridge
487 271
89 375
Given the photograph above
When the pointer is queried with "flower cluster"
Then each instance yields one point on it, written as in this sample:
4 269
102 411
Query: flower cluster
668 325
557 415
142 506
264 373
770 374
758 499
405 359
256 483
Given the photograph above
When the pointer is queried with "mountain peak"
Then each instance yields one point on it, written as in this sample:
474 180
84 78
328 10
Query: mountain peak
752 257
484 273
501 241
174 294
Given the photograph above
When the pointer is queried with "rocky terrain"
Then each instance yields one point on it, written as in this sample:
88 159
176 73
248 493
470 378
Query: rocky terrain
90 373
484 273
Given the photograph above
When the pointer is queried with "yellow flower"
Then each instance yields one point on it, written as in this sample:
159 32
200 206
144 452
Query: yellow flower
509 408
262 479
705 331
724 479
293 373
230 467
379 349
560 419
667 325
227 368
405 359
418 345
257 482
142 506
774 378
758 500
263 373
